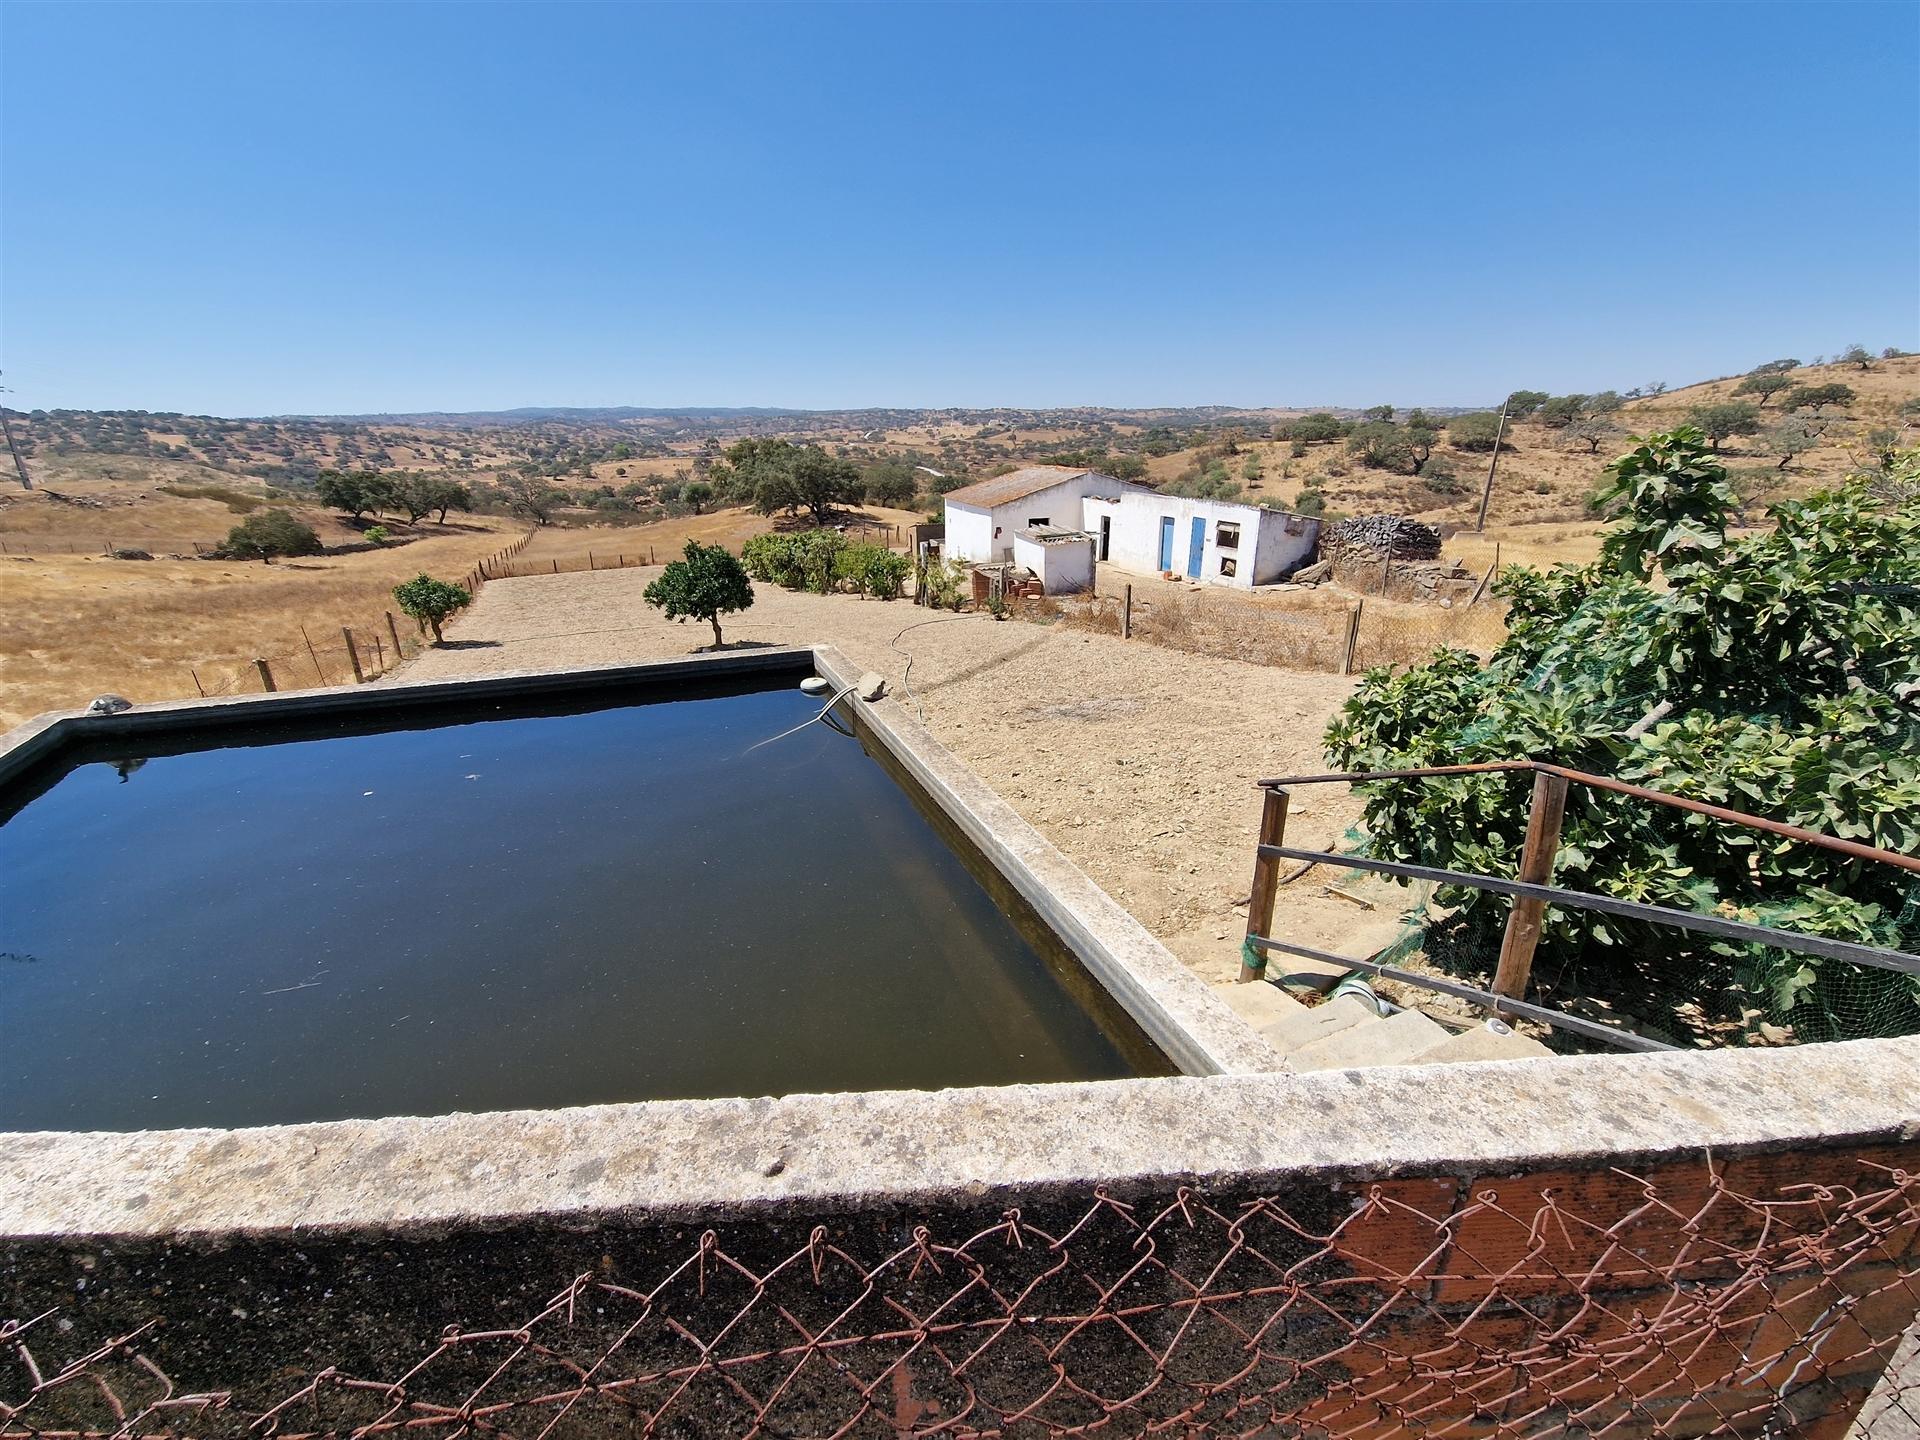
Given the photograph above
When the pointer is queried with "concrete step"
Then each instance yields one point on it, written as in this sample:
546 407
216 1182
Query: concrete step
1480 1043
1258 1002
1309 1026
1396 1040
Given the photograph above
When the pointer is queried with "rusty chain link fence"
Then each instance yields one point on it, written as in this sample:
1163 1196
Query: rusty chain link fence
1699 1299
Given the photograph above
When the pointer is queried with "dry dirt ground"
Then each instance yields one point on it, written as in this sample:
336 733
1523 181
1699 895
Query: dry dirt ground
1137 761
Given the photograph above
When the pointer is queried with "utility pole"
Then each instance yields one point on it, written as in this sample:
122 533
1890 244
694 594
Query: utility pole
19 465
1486 495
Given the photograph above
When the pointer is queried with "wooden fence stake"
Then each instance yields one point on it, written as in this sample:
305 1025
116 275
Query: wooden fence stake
590 564
556 565
1126 614
353 656
1492 570
394 631
379 656
314 654
1536 868
1353 637
266 675
649 554
1266 880
196 682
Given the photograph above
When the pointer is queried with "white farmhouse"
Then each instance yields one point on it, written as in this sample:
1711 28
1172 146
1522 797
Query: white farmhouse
1218 542
1134 527
983 518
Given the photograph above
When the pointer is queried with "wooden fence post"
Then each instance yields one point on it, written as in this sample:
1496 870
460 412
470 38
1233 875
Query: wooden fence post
353 656
313 654
1126 612
266 675
1492 570
394 631
196 682
1353 637
1536 868
1266 880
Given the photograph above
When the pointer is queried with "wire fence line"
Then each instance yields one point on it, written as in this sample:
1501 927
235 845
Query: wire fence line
1689 1299
1344 638
338 655
512 569
620 556
348 654
16 543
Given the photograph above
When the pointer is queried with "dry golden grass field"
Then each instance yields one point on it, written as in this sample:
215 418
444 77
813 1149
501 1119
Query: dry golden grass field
75 623
75 626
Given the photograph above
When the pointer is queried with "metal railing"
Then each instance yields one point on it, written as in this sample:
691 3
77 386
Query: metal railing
1532 891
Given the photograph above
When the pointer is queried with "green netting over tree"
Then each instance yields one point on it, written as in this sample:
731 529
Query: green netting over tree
1776 673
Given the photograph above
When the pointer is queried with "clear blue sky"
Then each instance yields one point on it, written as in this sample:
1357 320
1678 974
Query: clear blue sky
261 209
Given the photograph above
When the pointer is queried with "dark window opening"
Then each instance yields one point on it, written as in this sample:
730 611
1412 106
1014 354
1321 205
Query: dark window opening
1227 536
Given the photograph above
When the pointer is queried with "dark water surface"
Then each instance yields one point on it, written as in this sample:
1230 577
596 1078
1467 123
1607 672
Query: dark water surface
523 910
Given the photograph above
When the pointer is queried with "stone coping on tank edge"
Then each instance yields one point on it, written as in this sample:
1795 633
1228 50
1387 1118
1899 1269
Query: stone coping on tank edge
686 1161
714 1158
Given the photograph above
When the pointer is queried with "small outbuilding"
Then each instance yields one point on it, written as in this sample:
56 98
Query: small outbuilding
1062 558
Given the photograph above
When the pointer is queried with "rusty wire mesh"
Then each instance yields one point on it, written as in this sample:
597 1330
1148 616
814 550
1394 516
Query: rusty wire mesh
1403 635
1707 1301
1309 636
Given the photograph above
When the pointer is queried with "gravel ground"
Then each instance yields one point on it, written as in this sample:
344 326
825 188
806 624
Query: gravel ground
1137 761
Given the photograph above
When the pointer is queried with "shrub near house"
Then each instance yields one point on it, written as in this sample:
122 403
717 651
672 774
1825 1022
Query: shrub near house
1791 662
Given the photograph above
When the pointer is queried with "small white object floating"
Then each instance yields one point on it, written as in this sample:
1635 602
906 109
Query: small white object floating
814 685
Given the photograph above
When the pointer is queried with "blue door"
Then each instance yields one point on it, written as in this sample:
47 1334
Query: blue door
1166 542
1193 551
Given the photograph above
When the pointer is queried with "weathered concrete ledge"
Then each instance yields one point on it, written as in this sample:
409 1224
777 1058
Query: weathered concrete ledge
707 1160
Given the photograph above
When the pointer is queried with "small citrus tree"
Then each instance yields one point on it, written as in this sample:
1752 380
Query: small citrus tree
704 585
431 601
